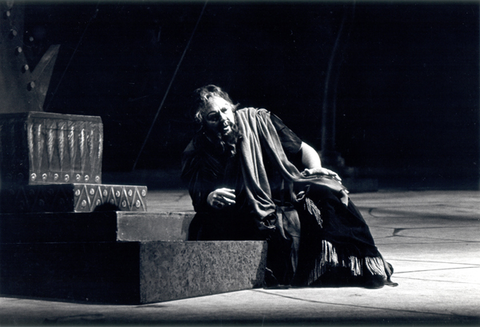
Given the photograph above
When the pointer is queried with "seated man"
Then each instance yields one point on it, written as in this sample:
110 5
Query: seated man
242 175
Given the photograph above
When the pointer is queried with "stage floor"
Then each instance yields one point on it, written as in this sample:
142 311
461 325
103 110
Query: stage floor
432 239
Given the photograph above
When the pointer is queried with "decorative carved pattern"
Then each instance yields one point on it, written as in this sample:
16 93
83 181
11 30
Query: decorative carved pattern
72 198
52 163
47 148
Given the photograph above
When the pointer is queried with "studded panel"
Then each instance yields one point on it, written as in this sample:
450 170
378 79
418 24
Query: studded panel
73 198
48 148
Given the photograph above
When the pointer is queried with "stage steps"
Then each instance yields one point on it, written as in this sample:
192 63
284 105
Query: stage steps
130 272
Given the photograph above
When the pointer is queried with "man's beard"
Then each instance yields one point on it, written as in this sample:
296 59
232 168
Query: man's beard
226 143
230 139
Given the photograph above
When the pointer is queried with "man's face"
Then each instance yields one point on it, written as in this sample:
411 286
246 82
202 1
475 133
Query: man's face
219 116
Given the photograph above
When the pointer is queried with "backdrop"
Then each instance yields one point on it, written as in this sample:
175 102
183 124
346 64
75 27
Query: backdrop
403 79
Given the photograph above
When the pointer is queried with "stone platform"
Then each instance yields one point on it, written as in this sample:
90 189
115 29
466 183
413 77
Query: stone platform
130 272
120 257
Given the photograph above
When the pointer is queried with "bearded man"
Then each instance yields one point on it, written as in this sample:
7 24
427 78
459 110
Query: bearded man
251 178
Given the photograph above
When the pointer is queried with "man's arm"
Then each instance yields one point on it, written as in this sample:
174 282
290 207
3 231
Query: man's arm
313 166
312 162
310 157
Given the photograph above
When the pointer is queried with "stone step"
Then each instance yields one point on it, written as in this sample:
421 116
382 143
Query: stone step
75 197
130 272
108 226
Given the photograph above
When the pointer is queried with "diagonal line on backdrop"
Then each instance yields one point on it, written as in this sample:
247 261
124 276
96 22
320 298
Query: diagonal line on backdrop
169 86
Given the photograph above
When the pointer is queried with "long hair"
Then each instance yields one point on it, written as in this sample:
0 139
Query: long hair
201 97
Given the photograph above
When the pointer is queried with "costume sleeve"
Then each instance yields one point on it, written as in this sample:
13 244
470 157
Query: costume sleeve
290 141
200 173
192 177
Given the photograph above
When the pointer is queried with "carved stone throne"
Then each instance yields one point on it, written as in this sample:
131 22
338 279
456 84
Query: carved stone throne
64 234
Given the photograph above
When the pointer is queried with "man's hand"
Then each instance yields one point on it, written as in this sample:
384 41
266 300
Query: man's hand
328 172
321 171
221 198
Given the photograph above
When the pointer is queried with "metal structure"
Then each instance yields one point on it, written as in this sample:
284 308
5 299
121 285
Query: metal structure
22 87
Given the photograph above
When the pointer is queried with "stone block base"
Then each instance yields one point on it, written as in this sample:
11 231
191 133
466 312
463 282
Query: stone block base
130 272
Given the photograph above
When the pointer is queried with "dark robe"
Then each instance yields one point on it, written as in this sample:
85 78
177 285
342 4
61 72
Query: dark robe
309 230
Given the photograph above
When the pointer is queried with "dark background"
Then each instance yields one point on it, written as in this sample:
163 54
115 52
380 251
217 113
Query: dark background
403 77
